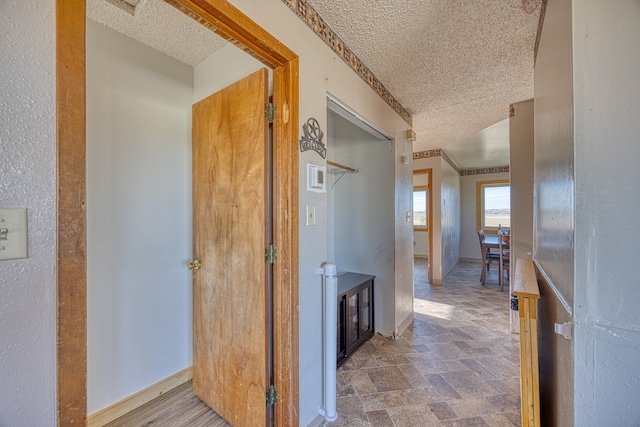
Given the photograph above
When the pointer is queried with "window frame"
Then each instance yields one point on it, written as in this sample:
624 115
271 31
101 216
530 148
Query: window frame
480 186
424 188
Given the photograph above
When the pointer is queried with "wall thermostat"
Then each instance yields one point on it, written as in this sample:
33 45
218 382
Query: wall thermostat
316 178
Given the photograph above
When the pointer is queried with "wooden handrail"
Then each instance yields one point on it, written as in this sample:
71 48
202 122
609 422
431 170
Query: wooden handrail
525 287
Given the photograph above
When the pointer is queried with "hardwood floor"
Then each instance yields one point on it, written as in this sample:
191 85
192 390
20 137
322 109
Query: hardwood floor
176 408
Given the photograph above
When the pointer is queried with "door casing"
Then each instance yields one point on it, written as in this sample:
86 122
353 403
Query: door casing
71 277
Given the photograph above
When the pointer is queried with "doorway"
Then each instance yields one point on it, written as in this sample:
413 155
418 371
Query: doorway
72 254
423 217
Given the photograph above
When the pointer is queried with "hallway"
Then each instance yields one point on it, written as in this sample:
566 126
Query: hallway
457 365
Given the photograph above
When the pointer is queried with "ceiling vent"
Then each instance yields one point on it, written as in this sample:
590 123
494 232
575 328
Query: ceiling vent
128 6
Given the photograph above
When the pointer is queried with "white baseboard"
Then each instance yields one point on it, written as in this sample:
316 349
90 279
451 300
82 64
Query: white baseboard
405 324
128 404
317 422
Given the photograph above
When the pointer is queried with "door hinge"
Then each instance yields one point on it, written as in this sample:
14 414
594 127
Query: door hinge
270 254
270 112
272 396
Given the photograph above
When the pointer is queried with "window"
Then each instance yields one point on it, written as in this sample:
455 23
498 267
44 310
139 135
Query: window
494 205
420 208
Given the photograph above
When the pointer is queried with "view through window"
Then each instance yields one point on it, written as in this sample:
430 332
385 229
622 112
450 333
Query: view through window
420 211
494 210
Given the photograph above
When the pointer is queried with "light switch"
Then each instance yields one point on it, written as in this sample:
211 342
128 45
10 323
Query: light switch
311 215
13 233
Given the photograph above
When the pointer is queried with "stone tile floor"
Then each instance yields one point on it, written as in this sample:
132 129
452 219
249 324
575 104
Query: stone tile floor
456 365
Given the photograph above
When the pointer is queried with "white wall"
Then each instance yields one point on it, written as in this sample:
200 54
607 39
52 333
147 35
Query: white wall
138 216
450 213
226 66
469 245
27 180
362 207
606 103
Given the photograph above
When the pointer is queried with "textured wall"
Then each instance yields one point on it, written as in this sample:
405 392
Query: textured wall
27 179
553 210
404 234
450 216
554 178
607 332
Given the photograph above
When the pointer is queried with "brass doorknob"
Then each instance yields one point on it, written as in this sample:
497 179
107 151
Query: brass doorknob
195 265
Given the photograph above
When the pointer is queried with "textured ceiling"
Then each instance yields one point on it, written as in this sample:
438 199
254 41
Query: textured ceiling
160 26
456 65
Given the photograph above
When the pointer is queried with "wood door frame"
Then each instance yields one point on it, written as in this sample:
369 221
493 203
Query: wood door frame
429 173
71 268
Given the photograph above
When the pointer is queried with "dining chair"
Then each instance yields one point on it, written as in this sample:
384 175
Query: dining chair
504 241
487 257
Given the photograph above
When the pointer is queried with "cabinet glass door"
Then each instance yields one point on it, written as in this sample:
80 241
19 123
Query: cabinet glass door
354 329
340 335
365 302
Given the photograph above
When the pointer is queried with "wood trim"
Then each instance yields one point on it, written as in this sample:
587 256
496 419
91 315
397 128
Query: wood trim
231 24
526 288
285 177
71 272
543 12
128 404
479 205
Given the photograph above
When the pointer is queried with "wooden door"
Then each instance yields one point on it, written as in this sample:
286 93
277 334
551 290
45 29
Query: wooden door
230 229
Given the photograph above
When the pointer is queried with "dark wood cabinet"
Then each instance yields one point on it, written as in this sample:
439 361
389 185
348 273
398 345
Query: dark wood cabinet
355 313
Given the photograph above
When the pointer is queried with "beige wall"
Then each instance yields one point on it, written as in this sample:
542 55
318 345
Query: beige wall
606 90
521 179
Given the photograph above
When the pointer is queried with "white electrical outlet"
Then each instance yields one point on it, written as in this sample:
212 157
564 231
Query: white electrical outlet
13 233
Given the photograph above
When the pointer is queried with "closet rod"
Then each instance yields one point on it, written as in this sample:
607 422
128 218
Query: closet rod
338 165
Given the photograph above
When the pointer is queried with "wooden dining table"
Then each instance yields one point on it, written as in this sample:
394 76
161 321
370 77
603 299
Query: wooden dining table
490 242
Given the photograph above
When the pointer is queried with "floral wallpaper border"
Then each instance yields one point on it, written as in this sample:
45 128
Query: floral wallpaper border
466 172
309 16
